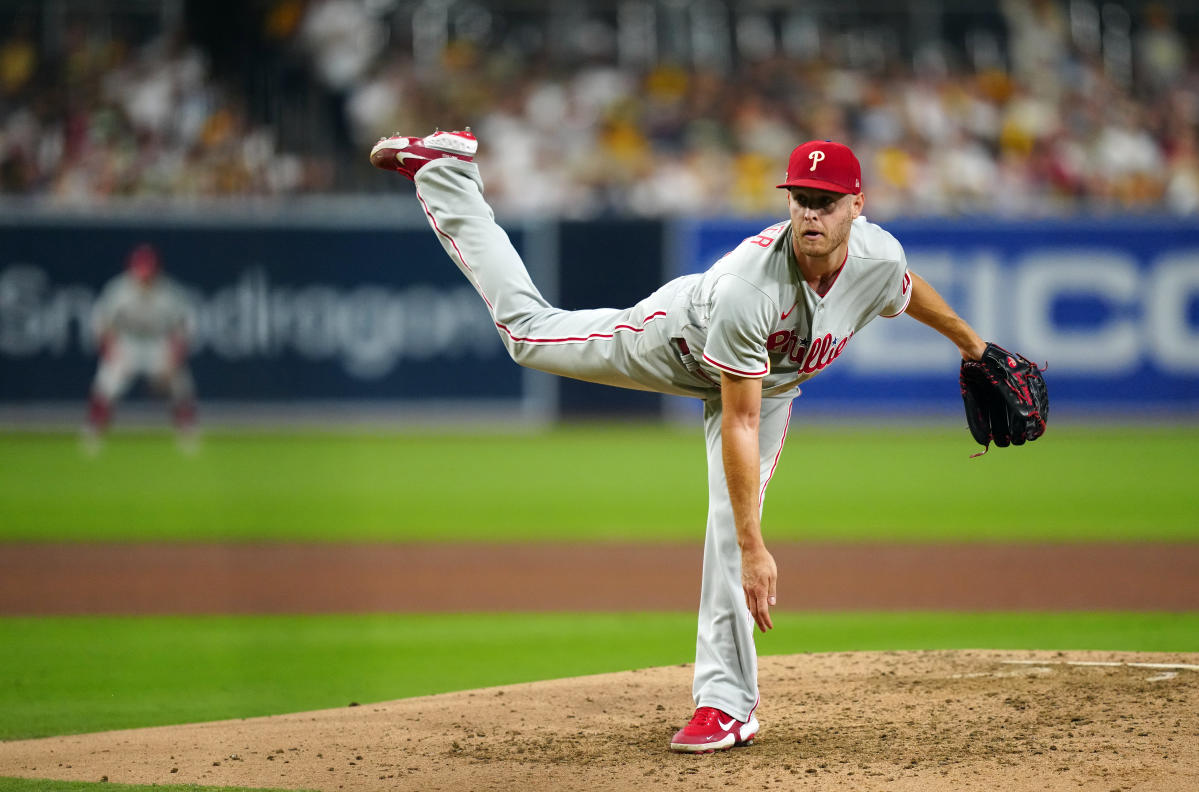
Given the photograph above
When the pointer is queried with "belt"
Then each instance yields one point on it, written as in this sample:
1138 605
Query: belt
690 363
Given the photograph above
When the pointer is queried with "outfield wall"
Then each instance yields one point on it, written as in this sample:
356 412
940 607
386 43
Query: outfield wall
357 313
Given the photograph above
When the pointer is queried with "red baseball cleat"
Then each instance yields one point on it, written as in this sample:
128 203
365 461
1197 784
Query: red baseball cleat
711 730
407 155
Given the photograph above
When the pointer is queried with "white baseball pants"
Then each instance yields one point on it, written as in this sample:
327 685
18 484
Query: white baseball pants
131 358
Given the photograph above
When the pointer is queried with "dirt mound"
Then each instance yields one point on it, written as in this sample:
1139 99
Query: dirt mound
863 721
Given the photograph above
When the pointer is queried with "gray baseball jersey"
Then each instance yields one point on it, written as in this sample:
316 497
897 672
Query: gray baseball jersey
750 315
753 315
143 321
152 312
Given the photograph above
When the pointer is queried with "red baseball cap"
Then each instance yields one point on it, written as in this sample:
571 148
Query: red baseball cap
824 165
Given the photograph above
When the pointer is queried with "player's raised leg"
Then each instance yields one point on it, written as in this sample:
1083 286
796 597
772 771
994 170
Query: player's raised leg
589 345
451 195
726 662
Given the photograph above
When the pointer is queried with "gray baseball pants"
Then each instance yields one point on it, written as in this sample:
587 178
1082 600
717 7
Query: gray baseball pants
628 348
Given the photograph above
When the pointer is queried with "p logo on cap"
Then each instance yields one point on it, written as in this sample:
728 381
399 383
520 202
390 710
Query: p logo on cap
824 165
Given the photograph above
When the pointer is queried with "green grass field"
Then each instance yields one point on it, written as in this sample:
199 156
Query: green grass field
598 483
70 675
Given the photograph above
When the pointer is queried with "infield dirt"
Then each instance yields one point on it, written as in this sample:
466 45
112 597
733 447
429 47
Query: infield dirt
862 721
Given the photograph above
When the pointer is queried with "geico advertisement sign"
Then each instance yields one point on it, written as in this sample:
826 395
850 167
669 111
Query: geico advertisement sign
368 329
1087 312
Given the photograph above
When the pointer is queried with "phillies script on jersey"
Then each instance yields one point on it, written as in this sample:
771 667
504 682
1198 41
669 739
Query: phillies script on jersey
784 343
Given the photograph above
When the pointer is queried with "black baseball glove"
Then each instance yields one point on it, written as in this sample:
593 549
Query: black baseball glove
1006 398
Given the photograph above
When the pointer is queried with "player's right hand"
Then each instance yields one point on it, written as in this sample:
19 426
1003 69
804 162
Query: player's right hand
759 578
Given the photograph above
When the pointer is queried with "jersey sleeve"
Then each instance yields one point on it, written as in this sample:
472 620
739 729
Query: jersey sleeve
739 323
901 290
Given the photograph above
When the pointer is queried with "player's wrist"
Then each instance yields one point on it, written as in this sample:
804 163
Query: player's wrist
751 545
973 350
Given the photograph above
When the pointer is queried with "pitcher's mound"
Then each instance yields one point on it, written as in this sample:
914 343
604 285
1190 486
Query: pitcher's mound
1009 721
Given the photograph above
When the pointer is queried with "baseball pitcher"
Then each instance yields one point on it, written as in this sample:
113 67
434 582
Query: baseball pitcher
775 311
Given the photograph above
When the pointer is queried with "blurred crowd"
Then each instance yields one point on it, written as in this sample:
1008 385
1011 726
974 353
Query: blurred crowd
1045 121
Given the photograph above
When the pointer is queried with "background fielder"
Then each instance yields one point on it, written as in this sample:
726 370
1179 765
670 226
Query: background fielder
140 321
742 336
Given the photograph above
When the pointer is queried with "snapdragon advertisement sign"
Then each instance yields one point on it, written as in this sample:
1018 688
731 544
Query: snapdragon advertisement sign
275 313
1111 306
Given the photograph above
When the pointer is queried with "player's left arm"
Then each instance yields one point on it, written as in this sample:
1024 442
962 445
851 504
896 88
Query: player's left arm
741 412
1004 394
928 307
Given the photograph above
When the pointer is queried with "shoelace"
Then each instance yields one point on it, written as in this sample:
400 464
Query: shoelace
704 717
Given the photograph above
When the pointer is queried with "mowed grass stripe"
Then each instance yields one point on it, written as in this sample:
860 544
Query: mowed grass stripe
609 482
82 674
